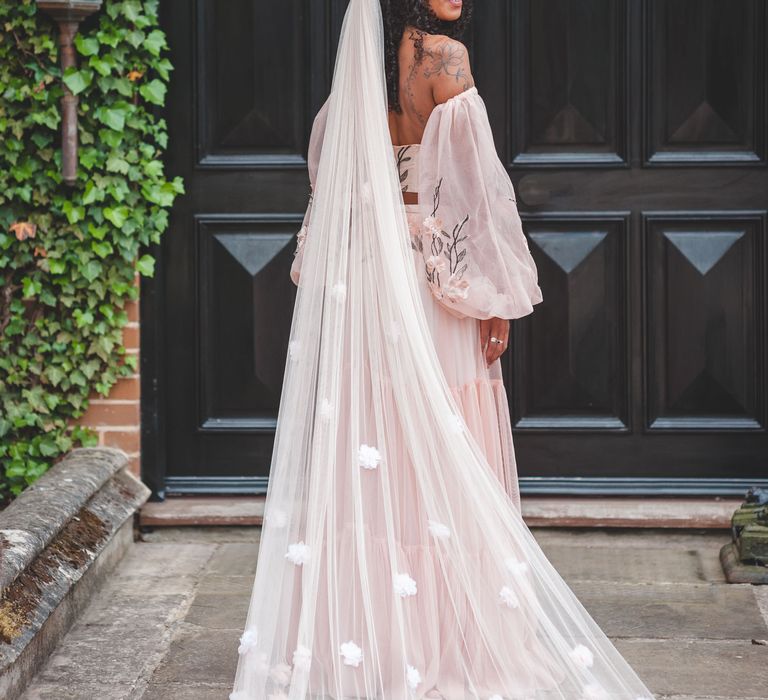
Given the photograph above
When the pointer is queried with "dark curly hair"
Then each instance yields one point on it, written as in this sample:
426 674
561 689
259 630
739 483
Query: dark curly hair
399 14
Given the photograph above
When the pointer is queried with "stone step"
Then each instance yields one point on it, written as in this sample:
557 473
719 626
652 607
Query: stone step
538 511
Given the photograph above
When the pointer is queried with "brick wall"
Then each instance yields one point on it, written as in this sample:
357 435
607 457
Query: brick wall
116 418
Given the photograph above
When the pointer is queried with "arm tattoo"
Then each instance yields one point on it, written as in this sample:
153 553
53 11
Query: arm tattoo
448 58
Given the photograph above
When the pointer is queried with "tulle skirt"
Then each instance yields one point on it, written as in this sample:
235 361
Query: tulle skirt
478 388
444 646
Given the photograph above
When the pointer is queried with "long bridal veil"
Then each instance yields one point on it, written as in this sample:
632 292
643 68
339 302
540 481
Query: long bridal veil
392 563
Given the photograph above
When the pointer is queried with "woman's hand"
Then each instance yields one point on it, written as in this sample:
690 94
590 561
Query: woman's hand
492 330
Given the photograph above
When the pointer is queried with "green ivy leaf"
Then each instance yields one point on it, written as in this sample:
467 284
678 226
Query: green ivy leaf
77 80
154 92
155 43
117 215
146 265
87 46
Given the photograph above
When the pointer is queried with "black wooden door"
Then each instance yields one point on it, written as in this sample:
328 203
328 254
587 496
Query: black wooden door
635 132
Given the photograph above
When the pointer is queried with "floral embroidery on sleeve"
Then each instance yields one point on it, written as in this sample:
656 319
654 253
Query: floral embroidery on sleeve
301 236
446 262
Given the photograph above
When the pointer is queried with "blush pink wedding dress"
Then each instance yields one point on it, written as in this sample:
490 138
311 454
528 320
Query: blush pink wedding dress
394 563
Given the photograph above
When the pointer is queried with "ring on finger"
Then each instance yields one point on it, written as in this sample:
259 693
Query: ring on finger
496 341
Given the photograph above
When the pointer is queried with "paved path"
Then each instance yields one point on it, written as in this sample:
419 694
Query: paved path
165 626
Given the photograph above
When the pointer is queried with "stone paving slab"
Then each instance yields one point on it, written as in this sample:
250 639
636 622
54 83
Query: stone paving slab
663 611
700 668
633 565
199 655
174 611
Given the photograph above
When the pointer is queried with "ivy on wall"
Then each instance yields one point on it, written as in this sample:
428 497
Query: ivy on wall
69 255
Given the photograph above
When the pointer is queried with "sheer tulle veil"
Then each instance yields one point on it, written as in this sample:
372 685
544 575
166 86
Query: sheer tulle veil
365 589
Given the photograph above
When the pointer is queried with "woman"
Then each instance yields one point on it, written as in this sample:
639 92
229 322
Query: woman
394 562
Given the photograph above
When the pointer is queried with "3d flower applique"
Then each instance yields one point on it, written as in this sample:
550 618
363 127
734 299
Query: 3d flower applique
281 674
368 457
339 292
582 656
248 641
301 238
276 517
413 677
404 585
433 225
351 654
393 333
325 410
516 567
294 350
436 263
508 597
456 289
438 530
456 424
302 658
593 691
298 553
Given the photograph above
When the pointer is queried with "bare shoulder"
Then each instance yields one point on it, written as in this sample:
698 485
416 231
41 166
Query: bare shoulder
446 66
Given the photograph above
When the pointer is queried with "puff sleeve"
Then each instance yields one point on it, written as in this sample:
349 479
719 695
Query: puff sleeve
313 161
476 256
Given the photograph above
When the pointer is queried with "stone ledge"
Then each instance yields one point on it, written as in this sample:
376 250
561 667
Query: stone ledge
58 541
538 511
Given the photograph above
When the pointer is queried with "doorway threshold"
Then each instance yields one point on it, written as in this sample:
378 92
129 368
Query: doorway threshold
538 511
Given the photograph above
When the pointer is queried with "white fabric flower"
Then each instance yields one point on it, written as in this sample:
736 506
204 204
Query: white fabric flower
456 424
298 553
326 410
413 677
593 691
368 457
404 585
433 225
248 640
281 674
509 597
339 292
516 567
436 529
351 653
294 348
302 658
456 289
301 237
436 263
581 656
276 517
394 332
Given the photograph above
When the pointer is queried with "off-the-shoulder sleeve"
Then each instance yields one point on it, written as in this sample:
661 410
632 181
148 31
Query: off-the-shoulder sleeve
476 256
313 160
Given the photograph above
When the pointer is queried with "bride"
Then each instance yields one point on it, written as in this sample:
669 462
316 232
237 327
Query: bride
394 562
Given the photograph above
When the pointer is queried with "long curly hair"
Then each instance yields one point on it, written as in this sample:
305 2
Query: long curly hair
399 14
